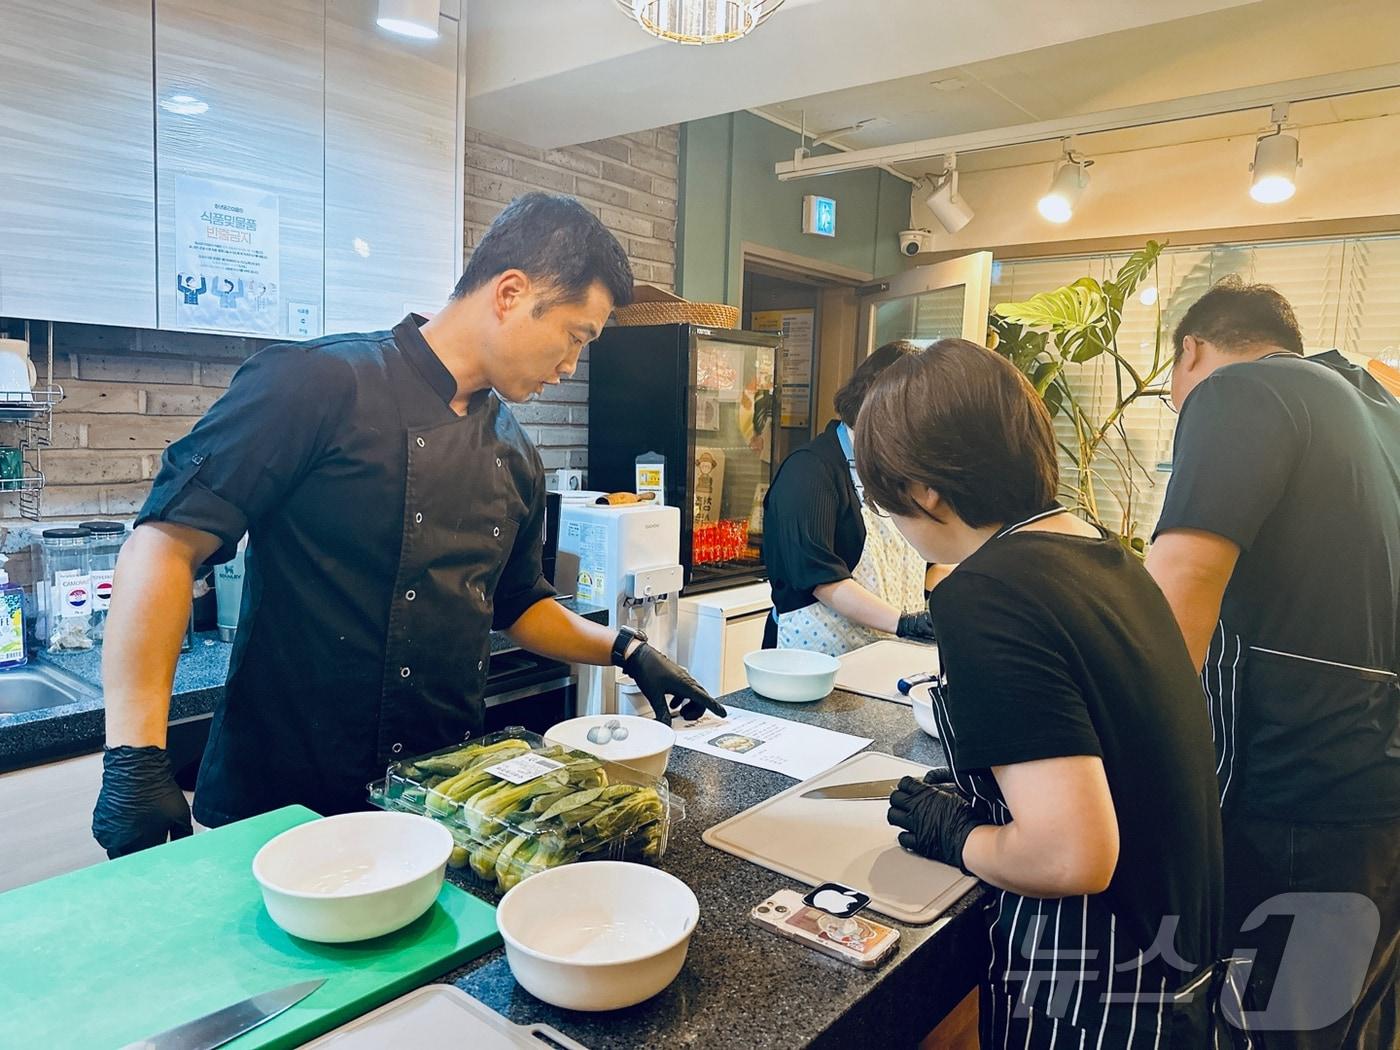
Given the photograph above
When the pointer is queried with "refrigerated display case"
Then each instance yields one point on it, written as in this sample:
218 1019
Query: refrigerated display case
702 401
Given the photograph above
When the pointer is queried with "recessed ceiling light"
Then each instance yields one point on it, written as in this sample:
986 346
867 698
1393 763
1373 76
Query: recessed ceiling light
411 18
184 105
1148 295
361 247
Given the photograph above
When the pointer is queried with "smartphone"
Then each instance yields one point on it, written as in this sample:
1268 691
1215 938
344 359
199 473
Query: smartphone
856 940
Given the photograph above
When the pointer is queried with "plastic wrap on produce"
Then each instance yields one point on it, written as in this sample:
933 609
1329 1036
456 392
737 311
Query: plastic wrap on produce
517 804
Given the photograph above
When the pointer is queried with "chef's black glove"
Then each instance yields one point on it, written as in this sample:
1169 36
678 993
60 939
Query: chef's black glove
659 677
140 804
916 625
935 816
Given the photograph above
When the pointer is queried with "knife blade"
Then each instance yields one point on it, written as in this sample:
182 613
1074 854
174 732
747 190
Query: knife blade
221 1026
864 789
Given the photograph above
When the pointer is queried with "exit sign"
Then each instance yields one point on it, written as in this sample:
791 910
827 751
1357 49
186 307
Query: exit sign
819 216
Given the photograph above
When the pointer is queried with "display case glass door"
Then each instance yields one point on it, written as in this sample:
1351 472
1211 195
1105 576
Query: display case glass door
732 409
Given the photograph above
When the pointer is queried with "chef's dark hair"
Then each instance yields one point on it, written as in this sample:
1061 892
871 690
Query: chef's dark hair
966 423
556 241
1236 316
852 394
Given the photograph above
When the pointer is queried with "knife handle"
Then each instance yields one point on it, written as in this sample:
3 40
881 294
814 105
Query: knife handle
906 684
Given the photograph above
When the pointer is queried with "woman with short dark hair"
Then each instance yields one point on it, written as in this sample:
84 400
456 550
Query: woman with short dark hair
1081 786
842 575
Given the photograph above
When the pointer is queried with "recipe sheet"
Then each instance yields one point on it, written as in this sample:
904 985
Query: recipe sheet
794 749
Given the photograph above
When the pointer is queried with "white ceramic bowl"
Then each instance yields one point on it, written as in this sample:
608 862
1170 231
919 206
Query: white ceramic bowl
598 935
353 876
647 747
793 676
921 700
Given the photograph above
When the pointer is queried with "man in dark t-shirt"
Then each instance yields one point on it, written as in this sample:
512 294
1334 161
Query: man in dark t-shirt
1279 551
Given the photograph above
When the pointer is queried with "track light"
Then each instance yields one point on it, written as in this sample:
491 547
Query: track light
413 18
1275 167
1065 188
945 202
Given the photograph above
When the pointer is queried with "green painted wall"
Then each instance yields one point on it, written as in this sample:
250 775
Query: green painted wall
729 196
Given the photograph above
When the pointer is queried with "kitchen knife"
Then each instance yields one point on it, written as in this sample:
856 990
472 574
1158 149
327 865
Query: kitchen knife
217 1028
865 789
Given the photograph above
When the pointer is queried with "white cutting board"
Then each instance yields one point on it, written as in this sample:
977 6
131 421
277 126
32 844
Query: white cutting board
439 1015
850 842
875 669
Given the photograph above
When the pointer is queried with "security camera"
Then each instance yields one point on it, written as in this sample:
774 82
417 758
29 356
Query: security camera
912 242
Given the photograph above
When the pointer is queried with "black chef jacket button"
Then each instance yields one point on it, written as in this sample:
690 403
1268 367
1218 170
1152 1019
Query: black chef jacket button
418 519
396 748
498 461
496 531
404 672
421 443
410 595
480 664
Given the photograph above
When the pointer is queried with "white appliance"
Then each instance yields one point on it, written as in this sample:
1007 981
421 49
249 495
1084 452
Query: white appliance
717 629
629 564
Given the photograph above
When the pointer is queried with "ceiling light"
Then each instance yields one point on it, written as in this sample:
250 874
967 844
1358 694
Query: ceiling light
1275 168
361 247
412 18
1065 189
1148 295
184 105
945 202
699 21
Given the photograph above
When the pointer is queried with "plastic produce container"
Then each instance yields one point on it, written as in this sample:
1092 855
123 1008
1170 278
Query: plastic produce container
569 806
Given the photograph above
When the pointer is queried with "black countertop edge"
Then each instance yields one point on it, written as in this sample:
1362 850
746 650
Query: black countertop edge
46 735
743 986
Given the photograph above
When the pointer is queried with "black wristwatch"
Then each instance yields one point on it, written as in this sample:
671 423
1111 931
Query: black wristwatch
623 640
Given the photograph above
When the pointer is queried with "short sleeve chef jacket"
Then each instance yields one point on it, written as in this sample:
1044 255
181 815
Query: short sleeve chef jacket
387 535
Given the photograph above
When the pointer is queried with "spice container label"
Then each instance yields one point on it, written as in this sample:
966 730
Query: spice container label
72 592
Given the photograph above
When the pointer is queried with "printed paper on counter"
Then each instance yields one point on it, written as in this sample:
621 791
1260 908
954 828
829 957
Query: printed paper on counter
794 749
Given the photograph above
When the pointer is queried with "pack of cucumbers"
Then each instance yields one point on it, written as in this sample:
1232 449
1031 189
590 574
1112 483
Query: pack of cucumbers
517 804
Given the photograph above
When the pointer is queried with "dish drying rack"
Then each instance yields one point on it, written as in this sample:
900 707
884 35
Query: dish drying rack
30 413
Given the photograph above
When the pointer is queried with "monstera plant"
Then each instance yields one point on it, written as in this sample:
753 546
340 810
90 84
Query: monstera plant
1048 337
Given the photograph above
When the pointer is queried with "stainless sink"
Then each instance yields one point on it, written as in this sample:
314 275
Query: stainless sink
38 686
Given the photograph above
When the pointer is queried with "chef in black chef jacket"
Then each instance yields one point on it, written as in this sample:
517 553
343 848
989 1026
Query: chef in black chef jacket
1279 550
394 509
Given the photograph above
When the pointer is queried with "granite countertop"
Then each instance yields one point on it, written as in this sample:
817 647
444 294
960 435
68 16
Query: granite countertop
31 737
742 985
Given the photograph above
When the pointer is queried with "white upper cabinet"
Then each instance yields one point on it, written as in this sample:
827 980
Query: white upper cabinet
239 140
280 168
393 239
77 180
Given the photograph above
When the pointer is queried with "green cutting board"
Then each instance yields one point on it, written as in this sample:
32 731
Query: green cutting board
120 951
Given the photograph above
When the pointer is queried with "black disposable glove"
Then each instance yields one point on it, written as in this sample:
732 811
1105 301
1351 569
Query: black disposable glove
935 816
140 804
916 625
659 677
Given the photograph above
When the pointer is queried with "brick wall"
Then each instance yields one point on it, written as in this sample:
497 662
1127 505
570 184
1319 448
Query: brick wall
630 183
131 392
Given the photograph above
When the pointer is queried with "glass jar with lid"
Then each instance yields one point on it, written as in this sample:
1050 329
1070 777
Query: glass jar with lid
106 544
64 592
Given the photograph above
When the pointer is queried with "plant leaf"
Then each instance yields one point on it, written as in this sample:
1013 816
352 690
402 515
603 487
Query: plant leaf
1068 309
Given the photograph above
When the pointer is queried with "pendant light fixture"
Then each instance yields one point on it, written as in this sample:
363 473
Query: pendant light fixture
1276 162
412 18
699 21
1066 188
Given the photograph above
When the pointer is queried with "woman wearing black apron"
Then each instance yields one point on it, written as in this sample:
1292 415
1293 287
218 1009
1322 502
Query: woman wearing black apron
1081 786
